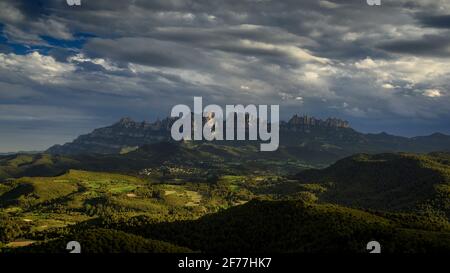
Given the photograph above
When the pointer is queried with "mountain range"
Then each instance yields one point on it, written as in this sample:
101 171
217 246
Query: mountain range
307 138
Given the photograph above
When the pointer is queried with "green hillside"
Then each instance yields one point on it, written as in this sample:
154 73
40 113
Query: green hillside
245 159
398 182
32 205
19 165
104 241
295 226
400 200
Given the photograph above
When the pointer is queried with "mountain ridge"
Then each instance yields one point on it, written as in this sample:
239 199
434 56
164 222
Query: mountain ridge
330 136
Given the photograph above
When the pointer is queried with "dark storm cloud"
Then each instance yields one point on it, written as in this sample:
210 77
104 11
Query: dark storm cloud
436 21
428 45
60 54
145 51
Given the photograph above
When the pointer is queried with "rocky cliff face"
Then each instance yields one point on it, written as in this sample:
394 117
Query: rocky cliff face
312 121
127 134
124 134
331 135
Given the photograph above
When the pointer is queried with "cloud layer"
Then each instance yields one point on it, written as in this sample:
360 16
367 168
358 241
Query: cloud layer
71 69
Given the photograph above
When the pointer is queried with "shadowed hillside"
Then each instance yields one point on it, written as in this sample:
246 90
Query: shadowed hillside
292 226
387 181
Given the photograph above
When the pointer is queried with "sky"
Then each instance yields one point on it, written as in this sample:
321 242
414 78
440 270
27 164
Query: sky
65 70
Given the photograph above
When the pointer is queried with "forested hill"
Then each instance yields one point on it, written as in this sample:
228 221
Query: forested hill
290 226
387 181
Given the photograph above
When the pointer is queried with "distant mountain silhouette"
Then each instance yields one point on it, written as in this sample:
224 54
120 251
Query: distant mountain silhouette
331 139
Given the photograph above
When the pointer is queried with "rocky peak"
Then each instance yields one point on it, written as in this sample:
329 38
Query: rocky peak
305 120
125 121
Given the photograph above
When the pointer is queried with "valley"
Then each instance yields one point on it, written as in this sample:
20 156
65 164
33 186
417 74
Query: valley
221 198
